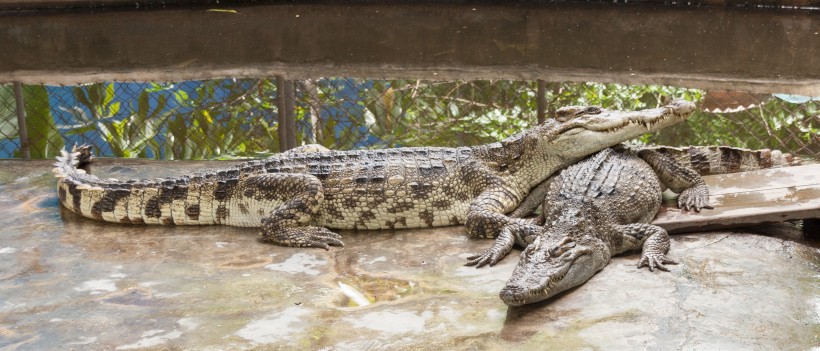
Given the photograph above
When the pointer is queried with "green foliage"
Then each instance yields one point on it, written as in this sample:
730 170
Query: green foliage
213 126
44 138
411 113
776 124
235 118
127 137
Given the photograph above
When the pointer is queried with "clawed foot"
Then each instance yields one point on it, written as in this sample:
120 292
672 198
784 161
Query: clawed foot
694 198
305 237
501 247
489 256
656 260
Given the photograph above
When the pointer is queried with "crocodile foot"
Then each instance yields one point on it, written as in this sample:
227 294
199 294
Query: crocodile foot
501 247
694 198
308 236
655 260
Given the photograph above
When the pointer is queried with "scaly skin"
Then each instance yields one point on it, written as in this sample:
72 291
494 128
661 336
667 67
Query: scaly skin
296 196
602 206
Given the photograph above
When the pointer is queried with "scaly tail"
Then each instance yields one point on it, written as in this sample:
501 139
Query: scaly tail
84 193
708 160
182 200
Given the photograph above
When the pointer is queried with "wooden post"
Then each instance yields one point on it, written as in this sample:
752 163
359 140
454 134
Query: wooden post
22 130
286 114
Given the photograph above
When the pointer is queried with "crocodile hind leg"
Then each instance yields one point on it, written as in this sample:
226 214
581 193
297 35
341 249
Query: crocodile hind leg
653 239
295 199
693 193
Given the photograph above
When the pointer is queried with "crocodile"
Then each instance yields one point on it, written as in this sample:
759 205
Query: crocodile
296 197
603 206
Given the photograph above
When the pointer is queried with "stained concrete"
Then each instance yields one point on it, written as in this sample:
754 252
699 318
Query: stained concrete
71 283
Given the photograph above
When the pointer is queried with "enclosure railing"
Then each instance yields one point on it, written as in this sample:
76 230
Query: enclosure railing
229 118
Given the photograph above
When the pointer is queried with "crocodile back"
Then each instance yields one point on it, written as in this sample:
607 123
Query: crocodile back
615 185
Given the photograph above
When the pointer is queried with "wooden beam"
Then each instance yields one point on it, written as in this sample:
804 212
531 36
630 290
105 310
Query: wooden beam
743 199
726 48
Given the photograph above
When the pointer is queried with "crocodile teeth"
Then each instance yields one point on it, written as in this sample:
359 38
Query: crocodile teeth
83 187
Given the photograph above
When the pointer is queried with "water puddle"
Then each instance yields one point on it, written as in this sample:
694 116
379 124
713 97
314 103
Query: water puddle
362 290
392 322
277 327
299 263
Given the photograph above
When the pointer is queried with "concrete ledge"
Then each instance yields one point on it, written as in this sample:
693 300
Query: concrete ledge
711 47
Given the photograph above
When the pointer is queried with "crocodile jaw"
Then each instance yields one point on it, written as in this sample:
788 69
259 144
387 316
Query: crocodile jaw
550 266
589 133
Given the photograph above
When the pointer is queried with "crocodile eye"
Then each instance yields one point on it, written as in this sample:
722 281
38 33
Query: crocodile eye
593 110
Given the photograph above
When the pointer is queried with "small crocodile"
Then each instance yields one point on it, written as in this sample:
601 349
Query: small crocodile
603 206
297 195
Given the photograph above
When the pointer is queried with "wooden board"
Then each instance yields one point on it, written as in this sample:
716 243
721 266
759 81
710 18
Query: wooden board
742 199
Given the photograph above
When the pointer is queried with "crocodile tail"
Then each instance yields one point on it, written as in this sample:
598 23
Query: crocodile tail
154 201
708 160
78 190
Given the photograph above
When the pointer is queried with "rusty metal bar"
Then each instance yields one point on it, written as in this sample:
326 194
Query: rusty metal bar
22 130
290 108
541 101
286 114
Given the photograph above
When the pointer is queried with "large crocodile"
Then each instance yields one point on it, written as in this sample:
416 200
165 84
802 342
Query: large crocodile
295 196
602 206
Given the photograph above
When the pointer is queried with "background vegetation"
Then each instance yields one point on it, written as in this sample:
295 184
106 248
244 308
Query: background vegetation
232 118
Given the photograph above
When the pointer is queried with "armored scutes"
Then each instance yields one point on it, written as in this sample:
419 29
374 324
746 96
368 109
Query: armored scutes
602 206
295 196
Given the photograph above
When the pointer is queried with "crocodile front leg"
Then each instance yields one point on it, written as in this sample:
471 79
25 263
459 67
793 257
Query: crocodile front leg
295 199
486 218
514 233
693 192
653 239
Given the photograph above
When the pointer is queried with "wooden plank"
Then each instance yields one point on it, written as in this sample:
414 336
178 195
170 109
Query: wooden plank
747 198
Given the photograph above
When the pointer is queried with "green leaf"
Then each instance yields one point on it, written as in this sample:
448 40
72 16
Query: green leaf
44 139
143 104
109 94
181 96
113 109
8 113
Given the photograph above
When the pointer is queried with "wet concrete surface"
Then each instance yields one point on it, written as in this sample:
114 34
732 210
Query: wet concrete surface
67 282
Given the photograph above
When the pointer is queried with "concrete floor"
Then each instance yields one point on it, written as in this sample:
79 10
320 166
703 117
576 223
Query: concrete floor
67 282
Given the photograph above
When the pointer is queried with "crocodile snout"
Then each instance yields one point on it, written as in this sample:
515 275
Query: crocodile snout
681 107
513 295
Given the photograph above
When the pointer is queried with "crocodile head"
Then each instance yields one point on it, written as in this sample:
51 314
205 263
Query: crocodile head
586 130
554 263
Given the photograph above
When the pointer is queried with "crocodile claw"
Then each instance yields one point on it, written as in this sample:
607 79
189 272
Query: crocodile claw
487 257
501 247
305 237
694 198
655 261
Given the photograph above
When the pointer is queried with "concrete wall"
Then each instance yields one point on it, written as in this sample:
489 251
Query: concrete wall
710 47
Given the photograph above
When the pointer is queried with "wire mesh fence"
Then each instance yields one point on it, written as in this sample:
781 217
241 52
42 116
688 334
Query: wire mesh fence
230 118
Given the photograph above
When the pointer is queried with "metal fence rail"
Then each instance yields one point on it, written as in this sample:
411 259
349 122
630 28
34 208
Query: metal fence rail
252 117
